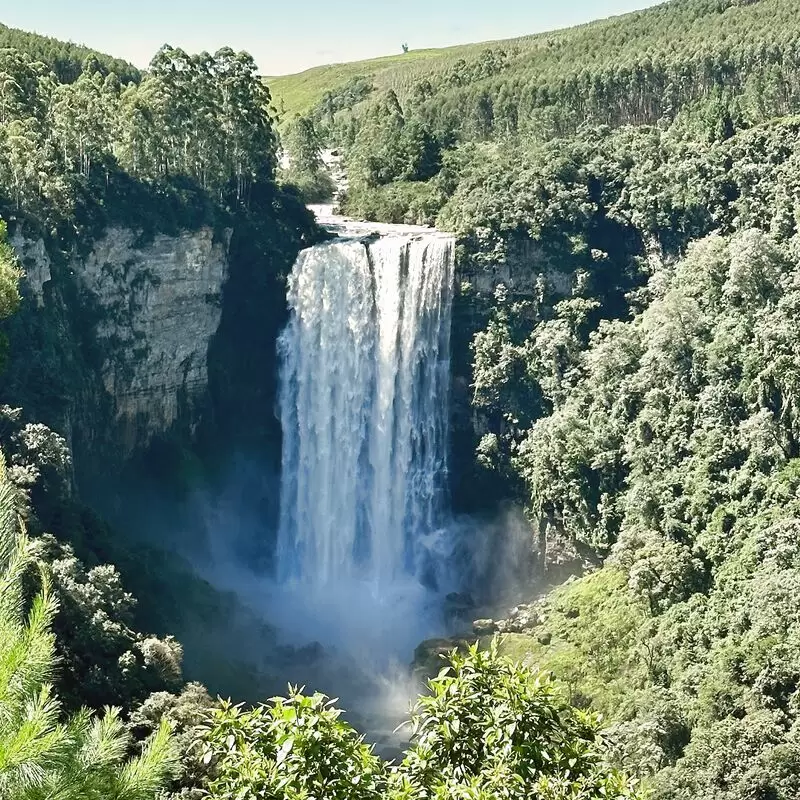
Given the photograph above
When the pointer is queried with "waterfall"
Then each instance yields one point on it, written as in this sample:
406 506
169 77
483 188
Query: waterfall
364 407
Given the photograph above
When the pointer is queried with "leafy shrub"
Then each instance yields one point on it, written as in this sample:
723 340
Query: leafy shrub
297 747
490 729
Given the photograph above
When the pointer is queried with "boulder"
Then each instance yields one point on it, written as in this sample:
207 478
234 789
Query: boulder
484 627
429 656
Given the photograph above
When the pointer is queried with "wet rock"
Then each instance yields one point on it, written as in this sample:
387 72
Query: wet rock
430 655
431 647
460 598
484 627
545 637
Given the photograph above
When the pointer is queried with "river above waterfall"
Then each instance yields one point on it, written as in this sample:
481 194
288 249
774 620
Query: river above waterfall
349 227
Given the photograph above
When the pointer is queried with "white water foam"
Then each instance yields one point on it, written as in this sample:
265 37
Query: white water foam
364 405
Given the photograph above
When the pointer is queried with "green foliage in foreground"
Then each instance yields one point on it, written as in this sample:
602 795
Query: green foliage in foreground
43 755
490 729
297 747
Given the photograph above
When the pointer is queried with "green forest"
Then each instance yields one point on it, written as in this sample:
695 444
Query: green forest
641 405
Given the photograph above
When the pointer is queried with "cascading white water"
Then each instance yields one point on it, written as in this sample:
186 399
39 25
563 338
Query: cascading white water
364 406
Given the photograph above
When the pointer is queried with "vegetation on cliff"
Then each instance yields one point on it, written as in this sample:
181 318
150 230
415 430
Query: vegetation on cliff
642 400
188 144
42 752
670 451
193 135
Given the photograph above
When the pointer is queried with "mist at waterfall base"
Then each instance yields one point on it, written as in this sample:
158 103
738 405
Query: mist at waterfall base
366 548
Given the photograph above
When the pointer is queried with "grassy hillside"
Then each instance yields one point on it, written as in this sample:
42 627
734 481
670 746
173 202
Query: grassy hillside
602 43
299 93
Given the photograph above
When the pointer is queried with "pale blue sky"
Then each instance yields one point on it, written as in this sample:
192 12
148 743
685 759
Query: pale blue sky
295 34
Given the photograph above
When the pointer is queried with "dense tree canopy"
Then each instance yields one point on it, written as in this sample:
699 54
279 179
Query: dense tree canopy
65 59
306 170
660 433
198 122
674 448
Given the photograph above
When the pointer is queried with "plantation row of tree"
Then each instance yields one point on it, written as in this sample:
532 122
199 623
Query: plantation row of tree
637 71
65 59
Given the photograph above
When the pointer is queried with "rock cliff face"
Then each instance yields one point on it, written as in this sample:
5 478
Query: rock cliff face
526 271
146 312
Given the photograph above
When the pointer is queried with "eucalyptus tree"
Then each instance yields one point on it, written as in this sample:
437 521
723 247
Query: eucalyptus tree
82 120
244 117
204 116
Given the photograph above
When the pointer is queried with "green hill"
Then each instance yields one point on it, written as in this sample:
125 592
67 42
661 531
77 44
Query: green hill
667 30
714 65
64 58
300 92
